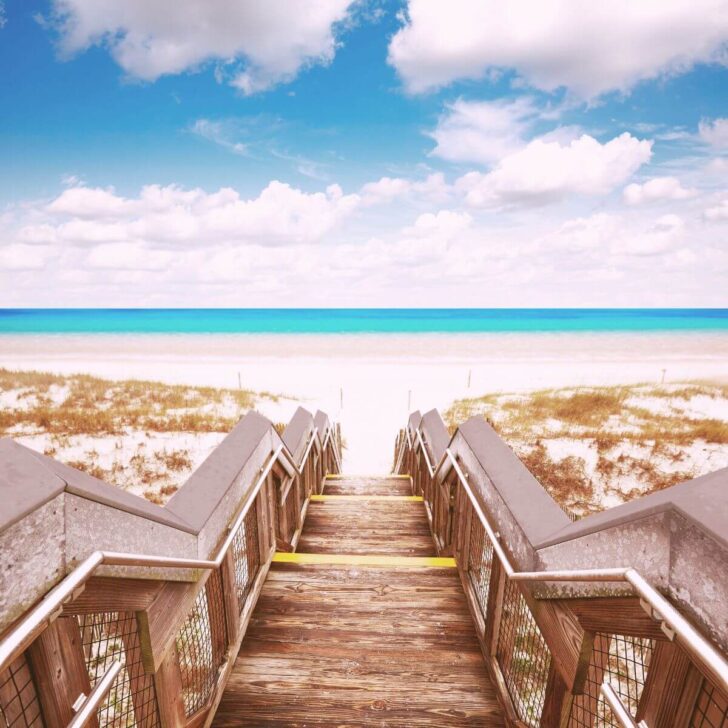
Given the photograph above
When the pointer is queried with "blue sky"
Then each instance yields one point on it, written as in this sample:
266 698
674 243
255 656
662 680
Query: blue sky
365 153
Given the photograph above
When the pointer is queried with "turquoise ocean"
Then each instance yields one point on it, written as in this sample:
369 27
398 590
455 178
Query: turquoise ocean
359 320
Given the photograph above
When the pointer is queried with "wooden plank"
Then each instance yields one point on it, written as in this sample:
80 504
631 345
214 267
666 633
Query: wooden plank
616 615
567 640
662 694
557 701
168 685
161 621
59 668
111 594
349 643
229 594
366 560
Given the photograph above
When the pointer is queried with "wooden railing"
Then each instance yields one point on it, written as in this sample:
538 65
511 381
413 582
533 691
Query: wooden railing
572 663
110 651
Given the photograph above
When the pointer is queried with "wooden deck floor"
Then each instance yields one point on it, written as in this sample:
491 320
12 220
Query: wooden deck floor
361 646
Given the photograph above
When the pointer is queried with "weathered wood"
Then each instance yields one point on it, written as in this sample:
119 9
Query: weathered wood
57 661
160 622
557 703
168 684
616 615
110 594
691 688
566 639
331 645
662 694
230 597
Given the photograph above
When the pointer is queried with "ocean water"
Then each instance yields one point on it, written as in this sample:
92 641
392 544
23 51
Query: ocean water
347 320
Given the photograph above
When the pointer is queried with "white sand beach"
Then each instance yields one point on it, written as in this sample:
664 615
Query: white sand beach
369 382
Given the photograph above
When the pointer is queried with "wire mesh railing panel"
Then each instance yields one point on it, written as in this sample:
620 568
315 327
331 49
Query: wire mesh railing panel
480 562
711 708
19 707
623 662
107 637
523 656
246 554
200 647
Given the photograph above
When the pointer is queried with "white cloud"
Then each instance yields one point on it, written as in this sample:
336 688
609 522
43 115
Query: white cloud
544 171
718 212
261 42
655 190
604 236
19 257
483 131
587 47
714 132
173 216
433 188
128 256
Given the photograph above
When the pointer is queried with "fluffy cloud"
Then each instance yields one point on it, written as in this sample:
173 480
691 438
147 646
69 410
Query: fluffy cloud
545 171
655 190
714 132
483 132
718 212
588 47
174 216
261 42
433 188
608 237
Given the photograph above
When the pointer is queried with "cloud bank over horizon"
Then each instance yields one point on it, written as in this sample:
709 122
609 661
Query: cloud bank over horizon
338 152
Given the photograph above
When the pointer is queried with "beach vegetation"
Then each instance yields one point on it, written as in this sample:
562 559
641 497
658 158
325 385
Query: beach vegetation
595 447
144 436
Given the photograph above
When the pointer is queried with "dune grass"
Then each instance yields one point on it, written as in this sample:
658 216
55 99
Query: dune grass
142 435
639 439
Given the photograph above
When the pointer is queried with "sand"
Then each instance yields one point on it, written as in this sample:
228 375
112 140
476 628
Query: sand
370 382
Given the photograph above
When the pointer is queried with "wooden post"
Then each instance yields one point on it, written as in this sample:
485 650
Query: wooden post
57 661
663 692
218 628
230 596
494 607
557 700
168 683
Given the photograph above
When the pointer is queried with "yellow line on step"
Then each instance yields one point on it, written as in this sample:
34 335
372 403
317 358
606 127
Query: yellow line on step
282 557
409 498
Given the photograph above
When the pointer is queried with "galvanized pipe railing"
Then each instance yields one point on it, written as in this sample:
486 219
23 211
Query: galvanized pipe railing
617 707
672 622
91 704
51 606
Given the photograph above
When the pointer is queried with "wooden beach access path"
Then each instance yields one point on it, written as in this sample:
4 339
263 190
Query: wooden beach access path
362 625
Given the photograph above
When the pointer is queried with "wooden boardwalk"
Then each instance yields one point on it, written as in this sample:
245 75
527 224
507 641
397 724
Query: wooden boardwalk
352 645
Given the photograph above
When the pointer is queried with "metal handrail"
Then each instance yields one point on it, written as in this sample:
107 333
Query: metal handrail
95 697
51 605
617 707
672 622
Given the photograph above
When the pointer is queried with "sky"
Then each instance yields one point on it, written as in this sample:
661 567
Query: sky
369 153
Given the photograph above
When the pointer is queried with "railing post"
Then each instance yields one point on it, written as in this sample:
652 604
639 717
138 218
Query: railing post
666 675
57 662
168 684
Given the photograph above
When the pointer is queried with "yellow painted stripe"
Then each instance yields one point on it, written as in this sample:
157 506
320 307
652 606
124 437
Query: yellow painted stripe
379 476
411 498
282 557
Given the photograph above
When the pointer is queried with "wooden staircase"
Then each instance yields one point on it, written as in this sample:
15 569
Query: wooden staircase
363 626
